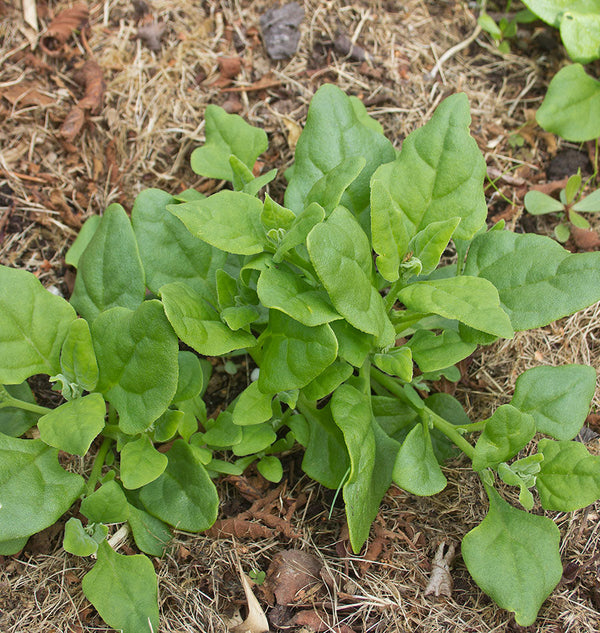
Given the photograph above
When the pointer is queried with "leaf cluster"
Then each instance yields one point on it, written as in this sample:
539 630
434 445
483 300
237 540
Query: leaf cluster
344 297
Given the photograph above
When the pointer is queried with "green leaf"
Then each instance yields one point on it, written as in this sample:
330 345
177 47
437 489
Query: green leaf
190 381
73 426
562 232
578 221
341 255
573 186
141 463
545 283
169 252
228 220
552 11
14 546
504 435
294 354
514 557
571 107
569 476
312 215
34 490
137 356
274 216
326 456
416 468
253 406
558 398
108 504
353 345
396 362
283 289
333 133
183 496
110 270
222 432
227 134
197 323
167 424
329 189
433 352
580 33
255 438
124 591
150 534
471 300
372 455
77 357
83 541
538 203
270 468
328 381
487 23
430 243
437 176
33 326
83 238
589 204
15 421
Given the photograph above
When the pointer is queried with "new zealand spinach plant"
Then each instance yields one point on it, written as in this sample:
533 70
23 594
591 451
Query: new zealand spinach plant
340 298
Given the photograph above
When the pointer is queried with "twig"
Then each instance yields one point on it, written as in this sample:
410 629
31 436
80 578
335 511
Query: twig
452 51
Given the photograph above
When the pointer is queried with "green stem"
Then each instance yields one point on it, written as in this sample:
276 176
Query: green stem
473 426
6 400
98 464
451 431
392 295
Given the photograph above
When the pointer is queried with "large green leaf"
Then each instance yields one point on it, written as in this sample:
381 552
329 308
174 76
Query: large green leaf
552 11
514 557
13 420
416 468
372 455
433 352
83 238
283 289
504 435
229 220
34 490
470 300
137 357
73 426
150 534
571 107
124 591
197 323
341 255
33 326
569 477
558 398
334 133
294 354
77 357
437 176
253 406
107 504
110 271
537 279
183 496
169 252
326 456
580 33
227 134
141 463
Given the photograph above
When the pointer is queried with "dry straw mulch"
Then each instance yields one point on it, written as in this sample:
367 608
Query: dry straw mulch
141 76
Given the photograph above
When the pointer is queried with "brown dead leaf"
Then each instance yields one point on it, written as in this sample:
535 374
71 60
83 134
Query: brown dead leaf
440 581
90 75
551 187
585 239
62 27
25 93
317 621
229 67
151 34
240 528
265 82
292 572
344 46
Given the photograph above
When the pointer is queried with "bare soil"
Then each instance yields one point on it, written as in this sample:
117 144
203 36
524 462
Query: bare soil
157 66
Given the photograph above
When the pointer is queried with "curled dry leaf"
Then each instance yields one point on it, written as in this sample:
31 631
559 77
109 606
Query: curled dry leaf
317 621
62 27
290 573
92 78
440 581
25 94
585 239
151 34
240 528
256 621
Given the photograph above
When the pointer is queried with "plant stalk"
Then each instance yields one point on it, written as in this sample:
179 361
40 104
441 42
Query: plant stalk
98 464
6 400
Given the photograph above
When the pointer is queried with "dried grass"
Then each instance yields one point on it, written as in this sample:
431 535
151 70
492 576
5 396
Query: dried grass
152 119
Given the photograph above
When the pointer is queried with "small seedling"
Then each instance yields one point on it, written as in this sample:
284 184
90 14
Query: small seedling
569 207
